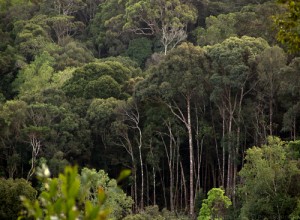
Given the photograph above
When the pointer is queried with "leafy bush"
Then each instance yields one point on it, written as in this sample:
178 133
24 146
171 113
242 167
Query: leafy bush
91 195
214 207
153 213
10 191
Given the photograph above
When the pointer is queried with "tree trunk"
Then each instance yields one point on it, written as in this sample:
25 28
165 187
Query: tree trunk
154 186
184 186
142 172
191 153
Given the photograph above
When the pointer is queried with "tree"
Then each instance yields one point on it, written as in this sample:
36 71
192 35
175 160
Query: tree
13 116
10 192
129 121
270 63
106 29
175 82
139 50
289 93
64 199
267 179
217 29
167 20
116 201
102 79
288 25
71 54
215 206
36 76
101 114
234 69
64 27
33 36
62 7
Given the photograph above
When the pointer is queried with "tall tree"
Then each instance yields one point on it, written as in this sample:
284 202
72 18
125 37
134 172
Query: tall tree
270 63
167 20
288 25
267 181
176 81
233 63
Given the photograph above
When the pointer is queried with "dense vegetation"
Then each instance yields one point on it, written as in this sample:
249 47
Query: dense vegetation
195 97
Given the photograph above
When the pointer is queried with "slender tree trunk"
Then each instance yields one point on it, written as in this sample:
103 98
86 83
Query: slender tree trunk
154 176
163 188
135 188
271 115
230 154
177 174
223 148
199 156
188 125
142 178
294 128
220 175
191 153
184 185
147 186
36 145
154 186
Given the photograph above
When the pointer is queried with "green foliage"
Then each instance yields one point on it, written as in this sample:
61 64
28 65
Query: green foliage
64 199
106 27
36 76
288 25
152 212
215 206
10 62
166 20
100 112
64 26
268 176
71 54
256 21
217 29
102 79
233 63
104 87
10 192
32 36
139 50
177 75
116 201
12 120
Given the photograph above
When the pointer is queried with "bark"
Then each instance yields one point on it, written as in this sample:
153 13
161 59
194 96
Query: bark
36 146
187 122
189 127
184 186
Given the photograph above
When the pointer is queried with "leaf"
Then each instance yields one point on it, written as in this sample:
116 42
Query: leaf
124 174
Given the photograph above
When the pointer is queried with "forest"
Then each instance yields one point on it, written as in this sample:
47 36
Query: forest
150 109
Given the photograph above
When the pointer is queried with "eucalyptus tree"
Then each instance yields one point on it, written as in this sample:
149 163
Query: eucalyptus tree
268 188
32 36
102 79
36 76
288 25
101 115
218 28
176 82
289 97
12 120
233 66
128 135
167 20
270 63
164 134
106 29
